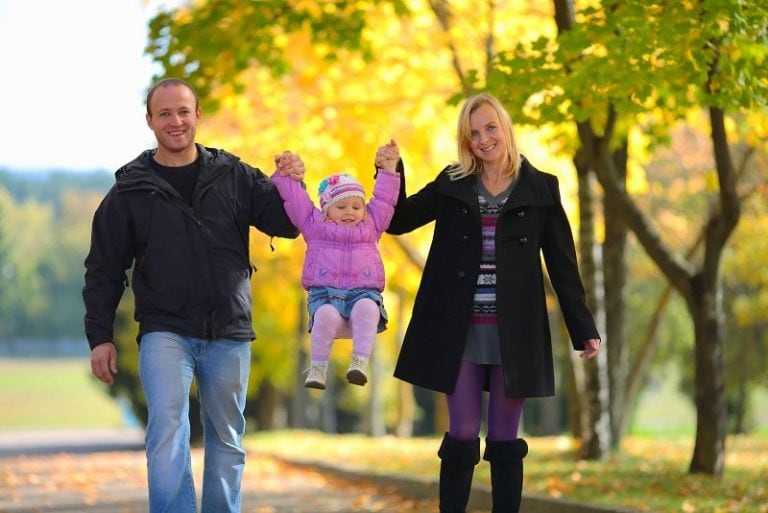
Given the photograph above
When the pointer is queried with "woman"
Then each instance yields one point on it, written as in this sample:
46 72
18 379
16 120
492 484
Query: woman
479 321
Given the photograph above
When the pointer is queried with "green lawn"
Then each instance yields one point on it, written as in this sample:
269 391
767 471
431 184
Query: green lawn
662 410
648 474
44 393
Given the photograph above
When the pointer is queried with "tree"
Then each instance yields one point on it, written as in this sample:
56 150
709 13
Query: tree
28 260
241 35
46 222
6 266
634 63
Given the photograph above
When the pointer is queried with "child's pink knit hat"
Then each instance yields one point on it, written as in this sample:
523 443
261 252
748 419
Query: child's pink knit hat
336 187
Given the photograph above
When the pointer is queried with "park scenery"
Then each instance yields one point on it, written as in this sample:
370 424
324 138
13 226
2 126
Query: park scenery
652 115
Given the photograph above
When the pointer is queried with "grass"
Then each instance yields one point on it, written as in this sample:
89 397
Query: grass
648 474
44 393
663 411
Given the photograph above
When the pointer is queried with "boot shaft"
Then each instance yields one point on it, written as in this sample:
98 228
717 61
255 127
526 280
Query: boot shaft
506 459
457 466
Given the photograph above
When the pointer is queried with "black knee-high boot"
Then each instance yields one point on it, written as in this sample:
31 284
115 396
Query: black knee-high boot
506 460
457 465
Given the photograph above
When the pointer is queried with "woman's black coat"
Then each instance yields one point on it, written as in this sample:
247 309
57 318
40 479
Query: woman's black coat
532 223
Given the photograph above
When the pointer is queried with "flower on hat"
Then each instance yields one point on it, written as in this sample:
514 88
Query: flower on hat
336 187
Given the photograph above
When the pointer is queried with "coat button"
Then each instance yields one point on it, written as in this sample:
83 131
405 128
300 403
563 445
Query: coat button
523 240
465 237
461 274
521 213
464 210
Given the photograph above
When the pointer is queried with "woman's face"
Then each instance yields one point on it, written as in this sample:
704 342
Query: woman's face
487 140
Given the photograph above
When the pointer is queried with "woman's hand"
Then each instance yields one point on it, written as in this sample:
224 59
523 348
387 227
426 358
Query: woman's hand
591 348
387 156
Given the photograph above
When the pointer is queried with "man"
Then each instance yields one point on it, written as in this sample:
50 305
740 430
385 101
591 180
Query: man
180 216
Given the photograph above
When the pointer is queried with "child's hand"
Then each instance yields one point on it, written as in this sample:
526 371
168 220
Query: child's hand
387 156
290 164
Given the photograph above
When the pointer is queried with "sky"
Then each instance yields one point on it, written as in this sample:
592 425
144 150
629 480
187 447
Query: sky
73 82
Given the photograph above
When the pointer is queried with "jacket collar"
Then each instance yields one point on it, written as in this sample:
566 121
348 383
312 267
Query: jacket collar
138 173
531 189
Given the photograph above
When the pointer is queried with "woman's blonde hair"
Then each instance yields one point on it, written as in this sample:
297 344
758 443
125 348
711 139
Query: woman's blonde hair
468 163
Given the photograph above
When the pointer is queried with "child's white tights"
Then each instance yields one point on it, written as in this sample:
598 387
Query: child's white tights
329 325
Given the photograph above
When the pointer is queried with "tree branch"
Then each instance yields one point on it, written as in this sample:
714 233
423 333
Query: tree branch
443 14
489 39
678 271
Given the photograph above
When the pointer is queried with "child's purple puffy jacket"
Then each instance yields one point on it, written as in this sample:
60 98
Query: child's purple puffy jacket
338 256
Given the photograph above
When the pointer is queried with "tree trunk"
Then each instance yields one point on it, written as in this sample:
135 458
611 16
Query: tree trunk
705 304
376 402
266 405
298 418
406 405
329 423
615 272
596 440
709 448
441 412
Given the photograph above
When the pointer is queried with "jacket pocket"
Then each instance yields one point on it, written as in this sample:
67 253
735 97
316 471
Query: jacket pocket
161 291
512 242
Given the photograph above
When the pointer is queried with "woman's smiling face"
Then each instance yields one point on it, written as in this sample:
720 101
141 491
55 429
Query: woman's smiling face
487 139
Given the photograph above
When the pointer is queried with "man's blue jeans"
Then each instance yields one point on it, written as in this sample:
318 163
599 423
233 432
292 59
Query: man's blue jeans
167 364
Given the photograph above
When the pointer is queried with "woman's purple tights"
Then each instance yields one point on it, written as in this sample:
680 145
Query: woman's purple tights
465 405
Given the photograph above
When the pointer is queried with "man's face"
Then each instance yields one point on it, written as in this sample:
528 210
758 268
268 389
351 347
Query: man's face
173 118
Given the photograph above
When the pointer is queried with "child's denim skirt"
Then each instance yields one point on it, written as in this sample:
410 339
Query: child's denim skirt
343 301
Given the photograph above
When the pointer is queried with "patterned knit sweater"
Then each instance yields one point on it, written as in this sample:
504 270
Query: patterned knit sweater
484 305
483 337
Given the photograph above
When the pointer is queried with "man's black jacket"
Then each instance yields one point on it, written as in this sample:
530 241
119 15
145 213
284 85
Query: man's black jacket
191 267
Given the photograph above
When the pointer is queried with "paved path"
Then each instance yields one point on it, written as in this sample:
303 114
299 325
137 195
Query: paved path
104 471
32 442
115 482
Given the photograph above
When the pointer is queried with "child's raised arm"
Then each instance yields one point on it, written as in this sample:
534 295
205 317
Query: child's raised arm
287 179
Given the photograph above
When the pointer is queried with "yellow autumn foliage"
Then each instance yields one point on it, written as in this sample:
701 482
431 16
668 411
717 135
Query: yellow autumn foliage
335 114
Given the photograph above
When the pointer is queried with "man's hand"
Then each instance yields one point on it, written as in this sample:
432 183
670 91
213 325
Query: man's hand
104 362
290 164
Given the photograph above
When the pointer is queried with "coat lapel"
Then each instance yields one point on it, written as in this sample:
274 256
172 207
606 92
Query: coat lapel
465 190
531 189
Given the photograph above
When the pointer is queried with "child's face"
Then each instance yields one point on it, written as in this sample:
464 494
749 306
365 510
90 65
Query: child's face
347 211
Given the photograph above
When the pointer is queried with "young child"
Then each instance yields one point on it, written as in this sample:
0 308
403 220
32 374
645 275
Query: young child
343 272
